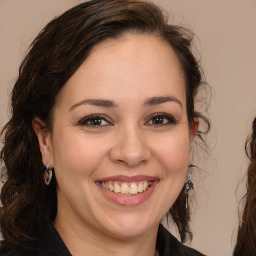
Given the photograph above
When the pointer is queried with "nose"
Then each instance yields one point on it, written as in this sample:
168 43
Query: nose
131 148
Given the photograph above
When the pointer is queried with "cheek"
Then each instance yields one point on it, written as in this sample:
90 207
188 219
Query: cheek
174 155
77 156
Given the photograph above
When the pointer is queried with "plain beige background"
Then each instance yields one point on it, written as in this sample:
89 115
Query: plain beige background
226 43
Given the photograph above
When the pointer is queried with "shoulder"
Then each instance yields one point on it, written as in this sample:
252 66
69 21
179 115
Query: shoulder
11 251
49 243
168 245
189 251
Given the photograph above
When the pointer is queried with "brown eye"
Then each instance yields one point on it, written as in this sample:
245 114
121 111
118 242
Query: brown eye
158 120
94 121
161 119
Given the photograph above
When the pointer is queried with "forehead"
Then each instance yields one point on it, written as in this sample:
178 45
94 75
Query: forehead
131 65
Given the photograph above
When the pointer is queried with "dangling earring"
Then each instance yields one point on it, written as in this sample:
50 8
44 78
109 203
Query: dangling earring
47 175
188 185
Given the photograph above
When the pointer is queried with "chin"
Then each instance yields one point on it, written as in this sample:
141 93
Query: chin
127 227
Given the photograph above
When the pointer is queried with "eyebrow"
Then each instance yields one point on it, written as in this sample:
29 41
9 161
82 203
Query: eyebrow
95 102
159 100
109 103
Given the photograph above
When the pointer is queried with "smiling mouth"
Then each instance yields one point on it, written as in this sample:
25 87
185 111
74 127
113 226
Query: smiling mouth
126 188
127 191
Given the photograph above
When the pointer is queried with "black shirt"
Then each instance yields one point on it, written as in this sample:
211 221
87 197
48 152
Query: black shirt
51 244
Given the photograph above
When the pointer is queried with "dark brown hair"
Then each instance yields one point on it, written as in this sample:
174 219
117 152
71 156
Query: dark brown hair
246 237
54 56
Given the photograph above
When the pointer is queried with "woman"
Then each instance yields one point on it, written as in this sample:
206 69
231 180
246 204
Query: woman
246 238
99 143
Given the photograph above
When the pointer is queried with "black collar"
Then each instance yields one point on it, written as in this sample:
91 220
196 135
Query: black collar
167 244
51 244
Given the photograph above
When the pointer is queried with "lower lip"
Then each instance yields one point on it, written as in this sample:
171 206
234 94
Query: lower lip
131 200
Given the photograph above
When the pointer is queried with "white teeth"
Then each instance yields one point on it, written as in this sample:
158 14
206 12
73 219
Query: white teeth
140 187
133 189
126 188
111 188
117 188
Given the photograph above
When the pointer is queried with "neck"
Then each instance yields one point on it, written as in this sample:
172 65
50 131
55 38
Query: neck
83 241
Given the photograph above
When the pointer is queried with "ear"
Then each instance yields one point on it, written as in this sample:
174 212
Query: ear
44 140
192 135
193 129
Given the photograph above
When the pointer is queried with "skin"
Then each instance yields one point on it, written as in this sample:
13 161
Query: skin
127 71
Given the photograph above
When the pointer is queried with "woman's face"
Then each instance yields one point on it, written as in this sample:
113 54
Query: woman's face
120 142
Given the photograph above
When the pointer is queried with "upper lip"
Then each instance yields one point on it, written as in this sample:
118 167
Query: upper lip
124 178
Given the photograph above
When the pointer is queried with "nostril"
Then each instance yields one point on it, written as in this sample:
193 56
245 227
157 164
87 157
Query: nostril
130 159
131 148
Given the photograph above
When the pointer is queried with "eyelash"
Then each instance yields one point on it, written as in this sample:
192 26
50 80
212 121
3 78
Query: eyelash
157 117
85 121
166 118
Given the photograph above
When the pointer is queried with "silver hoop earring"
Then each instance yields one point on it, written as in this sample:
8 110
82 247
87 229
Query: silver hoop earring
47 175
188 186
